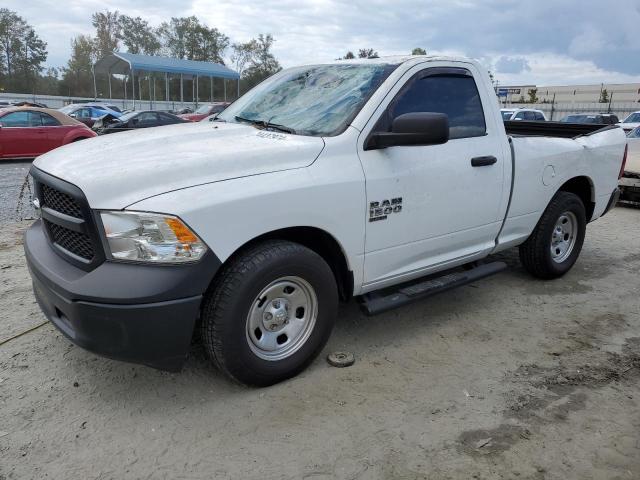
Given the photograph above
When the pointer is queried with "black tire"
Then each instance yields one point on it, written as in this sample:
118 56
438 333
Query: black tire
227 304
535 253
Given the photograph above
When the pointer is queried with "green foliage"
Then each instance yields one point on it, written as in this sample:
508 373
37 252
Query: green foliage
22 53
138 36
604 96
77 77
256 60
107 27
533 95
349 56
418 51
187 38
367 53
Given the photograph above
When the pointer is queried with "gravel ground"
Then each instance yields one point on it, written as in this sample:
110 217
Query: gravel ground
503 379
15 194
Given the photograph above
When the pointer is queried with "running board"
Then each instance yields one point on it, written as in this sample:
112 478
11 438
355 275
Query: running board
374 303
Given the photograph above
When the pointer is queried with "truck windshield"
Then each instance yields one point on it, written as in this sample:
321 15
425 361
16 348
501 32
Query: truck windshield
316 100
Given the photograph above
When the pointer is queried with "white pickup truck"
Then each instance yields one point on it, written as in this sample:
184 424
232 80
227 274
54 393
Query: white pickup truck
383 179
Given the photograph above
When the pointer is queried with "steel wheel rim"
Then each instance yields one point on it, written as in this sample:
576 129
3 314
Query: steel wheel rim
563 237
281 318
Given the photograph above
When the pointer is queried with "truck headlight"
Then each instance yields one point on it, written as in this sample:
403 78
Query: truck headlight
150 237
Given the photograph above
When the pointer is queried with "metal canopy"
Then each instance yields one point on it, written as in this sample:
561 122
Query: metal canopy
130 64
123 63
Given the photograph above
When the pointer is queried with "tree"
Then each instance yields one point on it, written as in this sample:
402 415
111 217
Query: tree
418 51
242 54
263 63
367 53
137 35
107 32
49 83
77 77
604 96
186 37
254 60
22 53
348 56
533 95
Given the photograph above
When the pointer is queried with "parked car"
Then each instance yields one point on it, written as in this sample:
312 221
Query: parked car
26 132
204 111
88 113
30 104
527 114
323 182
630 181
134 120
184 110
631 122
592 118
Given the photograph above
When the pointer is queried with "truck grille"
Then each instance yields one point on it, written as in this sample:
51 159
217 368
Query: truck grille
68 221
75 242
60 202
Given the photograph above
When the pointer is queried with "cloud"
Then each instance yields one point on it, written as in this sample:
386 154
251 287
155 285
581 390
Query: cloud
512 65
586 40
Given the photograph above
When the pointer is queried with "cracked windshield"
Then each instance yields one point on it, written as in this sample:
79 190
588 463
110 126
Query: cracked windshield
318 100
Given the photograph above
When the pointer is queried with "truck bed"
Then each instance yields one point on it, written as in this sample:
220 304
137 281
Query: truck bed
552 129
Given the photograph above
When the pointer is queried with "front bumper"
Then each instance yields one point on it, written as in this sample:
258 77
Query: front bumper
132 312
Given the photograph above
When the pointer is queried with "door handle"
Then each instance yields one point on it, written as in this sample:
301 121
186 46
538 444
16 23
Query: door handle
483 161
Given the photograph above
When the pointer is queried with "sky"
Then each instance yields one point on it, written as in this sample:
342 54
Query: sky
542 42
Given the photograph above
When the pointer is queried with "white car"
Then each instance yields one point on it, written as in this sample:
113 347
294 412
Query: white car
630 181
527 114
631 122
325 182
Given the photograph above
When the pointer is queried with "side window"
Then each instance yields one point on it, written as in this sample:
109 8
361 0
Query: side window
47 120
147 119
519 116
539 116
83 113
529 116
16 119
453 94
166 119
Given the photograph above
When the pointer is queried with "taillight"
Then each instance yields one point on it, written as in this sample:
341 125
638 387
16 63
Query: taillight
624 161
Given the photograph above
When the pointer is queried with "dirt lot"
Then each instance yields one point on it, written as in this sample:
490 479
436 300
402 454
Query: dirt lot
508 378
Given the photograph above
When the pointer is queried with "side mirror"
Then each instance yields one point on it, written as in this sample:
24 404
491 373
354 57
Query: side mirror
73 115
417 128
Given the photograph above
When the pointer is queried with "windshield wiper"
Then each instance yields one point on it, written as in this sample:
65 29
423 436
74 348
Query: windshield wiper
266 124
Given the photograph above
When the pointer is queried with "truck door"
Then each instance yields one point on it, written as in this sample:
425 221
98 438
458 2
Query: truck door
430 206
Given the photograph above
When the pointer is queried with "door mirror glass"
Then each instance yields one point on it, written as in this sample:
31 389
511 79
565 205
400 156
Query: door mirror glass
416 128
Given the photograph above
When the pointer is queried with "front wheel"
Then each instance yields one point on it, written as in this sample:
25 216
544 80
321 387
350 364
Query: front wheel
269 313
555 243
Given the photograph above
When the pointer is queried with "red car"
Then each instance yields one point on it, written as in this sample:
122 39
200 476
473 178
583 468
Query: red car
27 132
204 111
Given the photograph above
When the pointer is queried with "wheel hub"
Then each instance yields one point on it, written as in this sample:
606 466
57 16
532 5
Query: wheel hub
276 314
563 237
282 318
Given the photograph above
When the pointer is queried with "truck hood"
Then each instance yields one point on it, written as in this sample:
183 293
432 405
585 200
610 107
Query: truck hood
117 170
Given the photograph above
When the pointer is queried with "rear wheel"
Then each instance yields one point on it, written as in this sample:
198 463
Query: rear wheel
270 312
554 246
